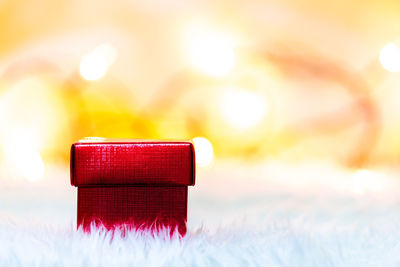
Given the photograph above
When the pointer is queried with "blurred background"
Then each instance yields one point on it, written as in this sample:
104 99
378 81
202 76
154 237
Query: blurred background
250 82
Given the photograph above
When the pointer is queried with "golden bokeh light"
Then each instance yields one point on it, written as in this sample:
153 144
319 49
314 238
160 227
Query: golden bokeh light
291 84
204 151
211 51
243 109
390 57
95 64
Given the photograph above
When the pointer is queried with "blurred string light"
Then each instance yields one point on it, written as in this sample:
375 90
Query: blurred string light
390 57
204 151
243 109
209 50
95 64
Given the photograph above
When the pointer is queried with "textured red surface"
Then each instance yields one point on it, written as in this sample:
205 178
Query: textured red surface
94 164
144 207
138 184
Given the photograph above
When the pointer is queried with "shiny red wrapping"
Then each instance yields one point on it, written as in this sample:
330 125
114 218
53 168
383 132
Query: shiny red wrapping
137 184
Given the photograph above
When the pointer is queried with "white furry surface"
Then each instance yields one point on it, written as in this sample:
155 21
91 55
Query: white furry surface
269 215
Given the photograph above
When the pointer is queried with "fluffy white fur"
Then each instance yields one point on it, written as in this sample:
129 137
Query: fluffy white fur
273 243
307 222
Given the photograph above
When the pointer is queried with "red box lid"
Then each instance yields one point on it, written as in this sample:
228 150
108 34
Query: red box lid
129 162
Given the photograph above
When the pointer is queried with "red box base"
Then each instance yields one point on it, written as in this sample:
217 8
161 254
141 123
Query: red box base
145 207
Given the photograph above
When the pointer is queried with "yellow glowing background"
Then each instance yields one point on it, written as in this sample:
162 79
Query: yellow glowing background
248 81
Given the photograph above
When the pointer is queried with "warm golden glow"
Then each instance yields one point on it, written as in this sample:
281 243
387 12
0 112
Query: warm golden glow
204 151
243 109
390 57
303 80
210 51
95 64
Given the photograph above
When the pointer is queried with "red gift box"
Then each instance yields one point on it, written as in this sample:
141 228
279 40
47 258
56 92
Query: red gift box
140 184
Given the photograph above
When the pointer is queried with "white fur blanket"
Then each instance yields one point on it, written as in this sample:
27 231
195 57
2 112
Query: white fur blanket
268 215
